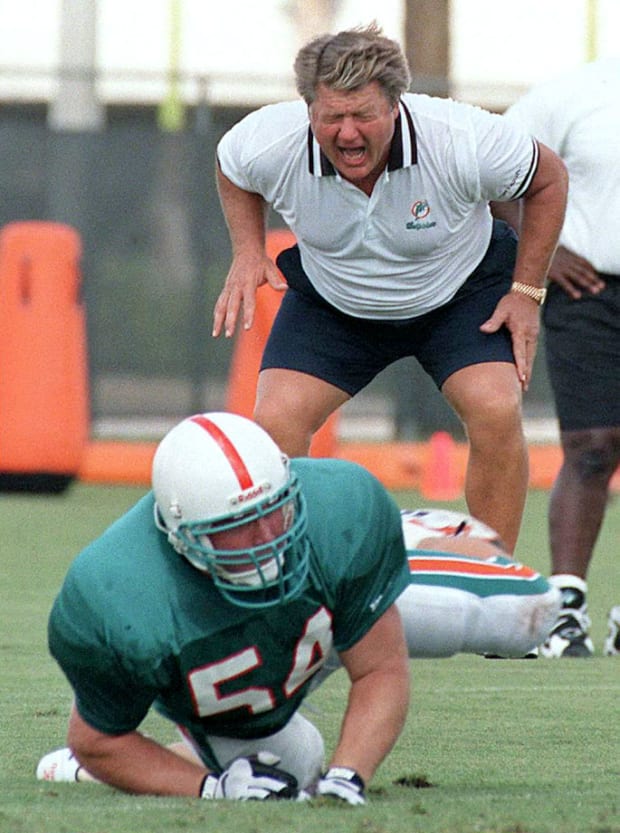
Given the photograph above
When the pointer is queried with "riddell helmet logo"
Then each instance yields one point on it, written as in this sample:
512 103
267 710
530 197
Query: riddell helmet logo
250 494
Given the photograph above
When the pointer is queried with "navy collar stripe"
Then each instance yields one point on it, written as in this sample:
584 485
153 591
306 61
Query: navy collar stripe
310 151
409 144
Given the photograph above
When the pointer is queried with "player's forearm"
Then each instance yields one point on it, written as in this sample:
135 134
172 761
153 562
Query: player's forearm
540 229
136 764
132 762
375 715
245 214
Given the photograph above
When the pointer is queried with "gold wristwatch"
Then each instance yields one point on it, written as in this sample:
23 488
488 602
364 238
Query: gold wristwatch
536 293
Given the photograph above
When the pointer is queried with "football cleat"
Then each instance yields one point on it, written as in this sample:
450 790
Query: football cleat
611 647
569 637
59 765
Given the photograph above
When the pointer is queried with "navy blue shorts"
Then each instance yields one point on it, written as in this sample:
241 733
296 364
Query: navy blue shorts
582 345
311 336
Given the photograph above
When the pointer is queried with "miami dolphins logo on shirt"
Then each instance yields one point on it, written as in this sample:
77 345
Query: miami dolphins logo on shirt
420 209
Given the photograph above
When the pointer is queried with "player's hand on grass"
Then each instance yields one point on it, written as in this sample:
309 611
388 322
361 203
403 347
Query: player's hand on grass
342 783
253 778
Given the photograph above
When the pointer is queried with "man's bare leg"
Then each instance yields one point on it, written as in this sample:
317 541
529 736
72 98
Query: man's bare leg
292 406
487 398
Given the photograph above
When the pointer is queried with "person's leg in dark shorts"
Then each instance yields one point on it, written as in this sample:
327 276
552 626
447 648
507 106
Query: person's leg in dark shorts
582 341
477 376
314 361
316 358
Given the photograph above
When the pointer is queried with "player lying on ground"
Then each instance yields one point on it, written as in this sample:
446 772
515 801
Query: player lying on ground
464 595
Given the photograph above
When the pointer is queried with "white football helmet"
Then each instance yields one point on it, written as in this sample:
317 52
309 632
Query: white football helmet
217 472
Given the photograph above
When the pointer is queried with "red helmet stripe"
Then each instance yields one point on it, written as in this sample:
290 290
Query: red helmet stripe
230 452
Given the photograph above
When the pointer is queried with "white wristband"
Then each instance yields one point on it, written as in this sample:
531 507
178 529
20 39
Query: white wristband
208 786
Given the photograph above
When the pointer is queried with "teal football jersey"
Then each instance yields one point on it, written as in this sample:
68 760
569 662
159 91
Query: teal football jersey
135 625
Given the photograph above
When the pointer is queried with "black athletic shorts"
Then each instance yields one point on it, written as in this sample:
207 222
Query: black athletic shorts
311 336
582 345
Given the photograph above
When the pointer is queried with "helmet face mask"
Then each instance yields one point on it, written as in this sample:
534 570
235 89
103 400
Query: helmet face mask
274 567
227 501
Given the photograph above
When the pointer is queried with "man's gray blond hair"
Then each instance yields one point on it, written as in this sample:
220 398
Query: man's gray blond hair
350 60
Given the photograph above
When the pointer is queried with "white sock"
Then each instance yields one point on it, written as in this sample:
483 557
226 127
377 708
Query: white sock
567 580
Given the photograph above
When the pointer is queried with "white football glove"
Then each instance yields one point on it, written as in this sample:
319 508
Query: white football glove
255 777
343 783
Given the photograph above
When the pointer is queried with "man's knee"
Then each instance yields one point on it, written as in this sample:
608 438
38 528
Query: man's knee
292 434
488 401
280 411
512 626
292 406
595 463
301 750
593 455
498 412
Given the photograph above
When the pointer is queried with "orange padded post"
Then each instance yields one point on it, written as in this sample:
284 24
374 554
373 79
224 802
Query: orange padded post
43 369
249 347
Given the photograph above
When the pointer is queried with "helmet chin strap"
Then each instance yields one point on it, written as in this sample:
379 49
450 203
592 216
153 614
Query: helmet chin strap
176 544
252 577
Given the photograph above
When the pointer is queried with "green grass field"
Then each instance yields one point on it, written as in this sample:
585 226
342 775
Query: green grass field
505 746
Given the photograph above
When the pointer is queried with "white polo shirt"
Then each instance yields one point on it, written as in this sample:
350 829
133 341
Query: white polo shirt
578 116
407 248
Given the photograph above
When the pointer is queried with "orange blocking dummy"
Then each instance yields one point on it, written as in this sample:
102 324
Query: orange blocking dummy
43 369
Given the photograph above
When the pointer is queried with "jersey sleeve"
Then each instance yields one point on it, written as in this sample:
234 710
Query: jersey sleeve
367 596
507 156
232 152
107 696
253 153
364 565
